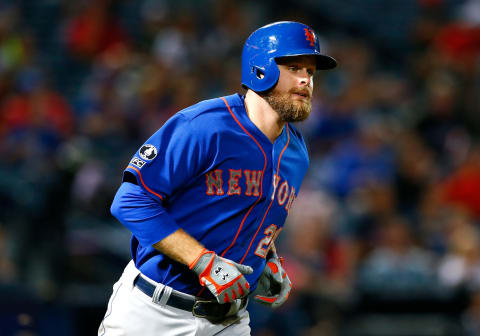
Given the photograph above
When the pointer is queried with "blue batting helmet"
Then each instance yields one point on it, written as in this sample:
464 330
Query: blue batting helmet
279 39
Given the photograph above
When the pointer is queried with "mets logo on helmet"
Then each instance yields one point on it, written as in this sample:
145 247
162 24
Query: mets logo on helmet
310 35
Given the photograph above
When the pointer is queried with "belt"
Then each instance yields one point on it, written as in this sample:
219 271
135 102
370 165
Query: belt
211 310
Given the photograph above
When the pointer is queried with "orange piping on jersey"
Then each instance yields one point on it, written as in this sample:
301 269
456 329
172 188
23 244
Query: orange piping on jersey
200 291
261 183
141 180
271 202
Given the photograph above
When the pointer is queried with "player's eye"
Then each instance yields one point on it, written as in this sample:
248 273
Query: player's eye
293 68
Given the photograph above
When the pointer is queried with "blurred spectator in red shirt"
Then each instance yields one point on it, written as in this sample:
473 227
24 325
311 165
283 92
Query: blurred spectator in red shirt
94 30
462 186
35 107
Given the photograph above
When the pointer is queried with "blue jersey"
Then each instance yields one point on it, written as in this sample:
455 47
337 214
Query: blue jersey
210 171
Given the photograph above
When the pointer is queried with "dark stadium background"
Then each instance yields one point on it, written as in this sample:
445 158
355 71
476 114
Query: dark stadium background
384 238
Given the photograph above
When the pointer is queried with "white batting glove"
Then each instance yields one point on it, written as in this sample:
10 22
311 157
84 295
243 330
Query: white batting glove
274 286
223 277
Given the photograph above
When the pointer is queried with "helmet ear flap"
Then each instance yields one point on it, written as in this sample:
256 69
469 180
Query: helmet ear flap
263 74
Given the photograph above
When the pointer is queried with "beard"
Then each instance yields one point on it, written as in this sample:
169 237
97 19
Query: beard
289 109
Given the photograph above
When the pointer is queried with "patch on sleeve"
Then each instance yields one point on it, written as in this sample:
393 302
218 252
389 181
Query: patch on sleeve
137 162
148 152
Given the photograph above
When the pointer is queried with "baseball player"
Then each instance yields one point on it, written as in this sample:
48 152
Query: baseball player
207 195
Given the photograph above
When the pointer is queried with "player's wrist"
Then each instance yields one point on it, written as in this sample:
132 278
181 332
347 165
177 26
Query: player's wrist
202 254
202 264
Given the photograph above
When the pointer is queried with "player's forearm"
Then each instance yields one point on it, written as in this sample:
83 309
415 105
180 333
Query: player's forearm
152 225
180 246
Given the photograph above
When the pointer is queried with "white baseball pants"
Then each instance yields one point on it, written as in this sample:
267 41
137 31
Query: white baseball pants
130 312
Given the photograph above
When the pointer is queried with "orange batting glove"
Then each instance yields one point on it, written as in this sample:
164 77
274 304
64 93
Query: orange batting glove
223 277
274 286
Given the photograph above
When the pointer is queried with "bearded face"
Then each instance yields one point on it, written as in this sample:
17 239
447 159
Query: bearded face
291 97
293 105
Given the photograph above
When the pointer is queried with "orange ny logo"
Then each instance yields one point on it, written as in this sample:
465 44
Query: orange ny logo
310 37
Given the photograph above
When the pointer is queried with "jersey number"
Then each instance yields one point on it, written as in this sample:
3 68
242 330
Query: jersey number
271 233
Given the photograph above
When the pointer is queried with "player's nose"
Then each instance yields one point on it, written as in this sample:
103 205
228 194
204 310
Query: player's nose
304 77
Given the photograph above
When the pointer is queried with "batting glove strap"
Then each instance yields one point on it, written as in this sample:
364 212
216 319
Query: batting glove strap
223 277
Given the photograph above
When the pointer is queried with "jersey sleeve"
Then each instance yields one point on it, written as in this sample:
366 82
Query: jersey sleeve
170 158
142 215
165 163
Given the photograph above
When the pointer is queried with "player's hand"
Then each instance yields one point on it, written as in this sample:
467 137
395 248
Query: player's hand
223 277
274 286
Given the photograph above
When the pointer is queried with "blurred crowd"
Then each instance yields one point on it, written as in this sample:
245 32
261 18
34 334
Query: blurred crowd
388 217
